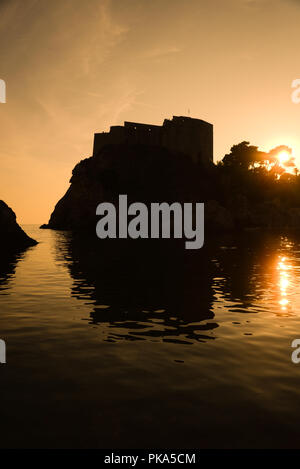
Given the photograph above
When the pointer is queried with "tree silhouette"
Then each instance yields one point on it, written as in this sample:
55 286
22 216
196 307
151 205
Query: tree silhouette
246 157
243 156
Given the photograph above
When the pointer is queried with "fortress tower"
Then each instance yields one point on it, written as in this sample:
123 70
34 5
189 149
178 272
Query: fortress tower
193 137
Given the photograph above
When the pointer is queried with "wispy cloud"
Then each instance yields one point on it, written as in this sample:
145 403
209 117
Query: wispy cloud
159 52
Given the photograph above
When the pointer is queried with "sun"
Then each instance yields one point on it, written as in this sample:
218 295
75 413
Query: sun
283 157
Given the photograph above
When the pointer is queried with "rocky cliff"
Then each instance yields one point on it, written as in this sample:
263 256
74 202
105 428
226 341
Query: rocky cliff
233 200
145 173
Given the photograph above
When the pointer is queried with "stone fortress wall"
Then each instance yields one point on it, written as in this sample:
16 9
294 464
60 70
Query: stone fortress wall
193 137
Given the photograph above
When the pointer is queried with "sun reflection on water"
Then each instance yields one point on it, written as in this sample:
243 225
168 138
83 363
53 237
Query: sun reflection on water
285 269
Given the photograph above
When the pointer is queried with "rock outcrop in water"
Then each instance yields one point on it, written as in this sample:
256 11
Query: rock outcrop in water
12 237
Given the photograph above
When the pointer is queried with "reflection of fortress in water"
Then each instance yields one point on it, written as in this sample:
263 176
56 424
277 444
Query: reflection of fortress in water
193 137
142 291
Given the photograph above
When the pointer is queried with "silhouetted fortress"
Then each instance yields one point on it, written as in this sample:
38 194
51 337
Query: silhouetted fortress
193 137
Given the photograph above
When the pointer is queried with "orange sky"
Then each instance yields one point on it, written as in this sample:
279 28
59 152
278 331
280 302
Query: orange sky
73 68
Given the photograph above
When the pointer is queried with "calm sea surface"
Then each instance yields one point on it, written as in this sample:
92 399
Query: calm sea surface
142 345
